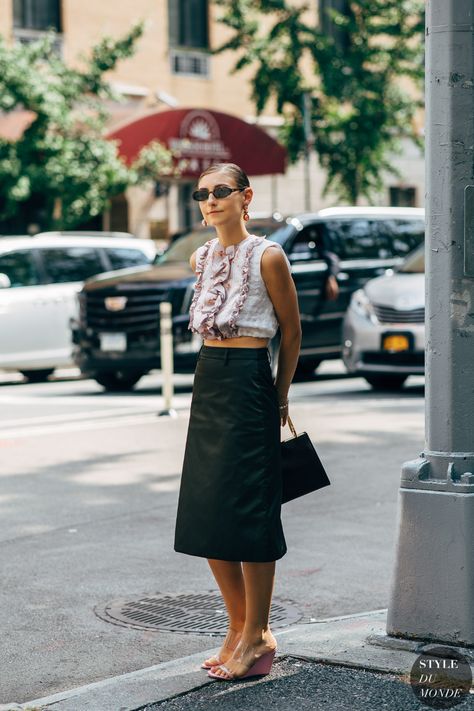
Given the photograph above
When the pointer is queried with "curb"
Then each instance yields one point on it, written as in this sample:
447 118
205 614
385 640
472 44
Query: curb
358 641
128 691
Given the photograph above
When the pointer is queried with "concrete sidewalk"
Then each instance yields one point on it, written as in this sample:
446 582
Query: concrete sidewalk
338 663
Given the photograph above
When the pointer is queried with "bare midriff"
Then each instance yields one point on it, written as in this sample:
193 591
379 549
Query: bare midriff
239 342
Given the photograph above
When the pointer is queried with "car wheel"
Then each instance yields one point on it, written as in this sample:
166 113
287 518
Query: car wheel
37 376
118 380
386 382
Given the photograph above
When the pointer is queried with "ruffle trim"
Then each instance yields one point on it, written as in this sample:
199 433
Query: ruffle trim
232 330
206 325
200 263
216 297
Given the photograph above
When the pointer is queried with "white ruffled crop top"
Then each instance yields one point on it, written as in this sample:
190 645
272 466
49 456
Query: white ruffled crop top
230 297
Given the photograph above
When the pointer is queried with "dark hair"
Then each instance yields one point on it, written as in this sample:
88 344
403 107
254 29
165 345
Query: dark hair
234 170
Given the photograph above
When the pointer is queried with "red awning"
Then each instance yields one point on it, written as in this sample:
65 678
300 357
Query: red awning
202 137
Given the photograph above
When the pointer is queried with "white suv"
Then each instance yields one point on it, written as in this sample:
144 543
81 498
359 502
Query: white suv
39 280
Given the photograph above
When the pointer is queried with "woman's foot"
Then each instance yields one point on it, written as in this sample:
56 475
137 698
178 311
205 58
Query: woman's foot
231 640
246 653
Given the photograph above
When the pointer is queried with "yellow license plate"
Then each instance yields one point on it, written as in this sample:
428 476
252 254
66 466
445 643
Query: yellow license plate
395 343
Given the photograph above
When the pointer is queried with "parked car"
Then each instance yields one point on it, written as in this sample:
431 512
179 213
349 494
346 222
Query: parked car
117 340
384 327
367 241
39 280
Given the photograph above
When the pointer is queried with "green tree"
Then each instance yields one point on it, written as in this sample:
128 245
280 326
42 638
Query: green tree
63 170
361 103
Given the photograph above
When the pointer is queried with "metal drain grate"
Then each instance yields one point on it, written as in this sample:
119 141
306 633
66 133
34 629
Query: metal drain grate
203 613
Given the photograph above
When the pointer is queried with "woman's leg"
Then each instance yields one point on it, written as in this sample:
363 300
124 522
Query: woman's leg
259 580
228 575
256 636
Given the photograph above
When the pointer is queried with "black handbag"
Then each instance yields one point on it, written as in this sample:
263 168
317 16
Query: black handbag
301 468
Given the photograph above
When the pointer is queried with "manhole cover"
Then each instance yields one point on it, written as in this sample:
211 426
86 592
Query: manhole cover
203 613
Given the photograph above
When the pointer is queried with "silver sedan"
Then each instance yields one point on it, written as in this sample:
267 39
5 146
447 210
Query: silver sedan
384 326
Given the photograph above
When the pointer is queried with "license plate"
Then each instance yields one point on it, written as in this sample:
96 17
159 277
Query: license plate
395 342
113 341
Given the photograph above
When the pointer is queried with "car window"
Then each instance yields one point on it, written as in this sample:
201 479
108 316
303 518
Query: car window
403 235
359 239
19 268
307 244
185 245
67 264
263 228
121 257
282 234
181 250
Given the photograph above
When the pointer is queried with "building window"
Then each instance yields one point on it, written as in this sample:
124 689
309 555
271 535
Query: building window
402 196
189 63
327 24
188 23
188 32
40 15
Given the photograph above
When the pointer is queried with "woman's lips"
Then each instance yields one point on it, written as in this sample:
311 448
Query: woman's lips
213 211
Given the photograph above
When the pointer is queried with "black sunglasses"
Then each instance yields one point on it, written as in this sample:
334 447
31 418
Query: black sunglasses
220 191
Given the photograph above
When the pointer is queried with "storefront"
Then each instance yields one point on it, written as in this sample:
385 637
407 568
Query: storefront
198 137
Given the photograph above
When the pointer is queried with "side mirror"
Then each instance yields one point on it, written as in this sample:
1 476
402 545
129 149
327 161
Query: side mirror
5 282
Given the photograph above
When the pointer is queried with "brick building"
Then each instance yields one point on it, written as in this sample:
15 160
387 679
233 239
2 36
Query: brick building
172 69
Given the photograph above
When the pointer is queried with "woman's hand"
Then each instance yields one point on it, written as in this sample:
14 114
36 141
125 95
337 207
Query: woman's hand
332 288
283 409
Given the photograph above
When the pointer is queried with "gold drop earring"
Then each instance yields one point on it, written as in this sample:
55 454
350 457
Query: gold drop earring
246 214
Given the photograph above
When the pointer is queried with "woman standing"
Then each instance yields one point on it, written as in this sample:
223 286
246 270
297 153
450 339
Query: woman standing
230 493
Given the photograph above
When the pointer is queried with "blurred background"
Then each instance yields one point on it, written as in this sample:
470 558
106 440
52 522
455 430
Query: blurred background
319 102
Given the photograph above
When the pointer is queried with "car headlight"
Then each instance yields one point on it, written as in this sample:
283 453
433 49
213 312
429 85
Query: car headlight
362 306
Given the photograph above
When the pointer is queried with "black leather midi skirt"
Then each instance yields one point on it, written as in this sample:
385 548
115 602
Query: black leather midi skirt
230 491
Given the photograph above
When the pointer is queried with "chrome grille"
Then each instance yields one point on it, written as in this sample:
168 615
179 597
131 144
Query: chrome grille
386 314
141 313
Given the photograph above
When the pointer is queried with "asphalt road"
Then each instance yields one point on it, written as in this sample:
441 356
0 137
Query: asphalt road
306 686
89 485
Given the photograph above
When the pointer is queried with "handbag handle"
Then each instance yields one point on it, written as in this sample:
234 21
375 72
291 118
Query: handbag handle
291 426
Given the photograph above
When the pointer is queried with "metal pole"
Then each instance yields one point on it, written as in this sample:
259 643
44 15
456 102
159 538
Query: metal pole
166 352
433 582
309 138
274 193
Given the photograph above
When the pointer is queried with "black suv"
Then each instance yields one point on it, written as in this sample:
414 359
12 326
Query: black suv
117 337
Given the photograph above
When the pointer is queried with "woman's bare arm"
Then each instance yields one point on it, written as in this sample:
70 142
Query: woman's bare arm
192 261
282 291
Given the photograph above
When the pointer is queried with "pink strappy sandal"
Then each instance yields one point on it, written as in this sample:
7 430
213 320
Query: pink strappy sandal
228 646
209 666
261 667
